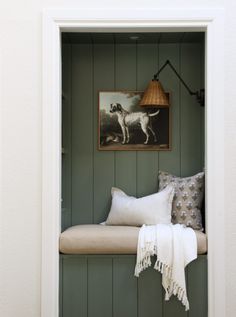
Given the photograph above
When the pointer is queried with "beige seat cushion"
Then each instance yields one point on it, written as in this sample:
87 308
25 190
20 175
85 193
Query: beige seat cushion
99 239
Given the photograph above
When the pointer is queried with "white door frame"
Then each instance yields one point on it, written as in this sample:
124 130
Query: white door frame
143 20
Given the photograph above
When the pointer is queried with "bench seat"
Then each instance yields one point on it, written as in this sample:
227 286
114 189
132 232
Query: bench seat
102 239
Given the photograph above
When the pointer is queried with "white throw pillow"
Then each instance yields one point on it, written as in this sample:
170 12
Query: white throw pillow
149 210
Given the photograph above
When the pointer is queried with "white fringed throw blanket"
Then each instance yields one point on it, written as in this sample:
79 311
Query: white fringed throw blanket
175 246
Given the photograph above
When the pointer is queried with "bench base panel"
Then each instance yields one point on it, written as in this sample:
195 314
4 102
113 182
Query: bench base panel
105 286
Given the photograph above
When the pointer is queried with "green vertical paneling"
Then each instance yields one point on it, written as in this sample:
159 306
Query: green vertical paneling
100 287
191 112
66 136
125 165
149 294
103 285
89 68
170 160
103 160
197 287
74 287
124 287
147 172
147 64
60 287
82 134
202 127
125 79
147 161
174 308
125 76
202 84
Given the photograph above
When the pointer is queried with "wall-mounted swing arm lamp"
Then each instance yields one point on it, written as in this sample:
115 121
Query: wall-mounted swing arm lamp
155 96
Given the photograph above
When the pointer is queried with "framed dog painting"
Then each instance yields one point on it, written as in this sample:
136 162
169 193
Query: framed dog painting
124 125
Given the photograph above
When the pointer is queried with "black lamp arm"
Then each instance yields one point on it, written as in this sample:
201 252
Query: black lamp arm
199 94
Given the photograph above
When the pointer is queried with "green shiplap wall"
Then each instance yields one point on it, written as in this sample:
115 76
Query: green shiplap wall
105 286
89 174
94 286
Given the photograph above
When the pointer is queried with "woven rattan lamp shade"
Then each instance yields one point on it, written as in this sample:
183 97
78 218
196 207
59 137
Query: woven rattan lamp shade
154 96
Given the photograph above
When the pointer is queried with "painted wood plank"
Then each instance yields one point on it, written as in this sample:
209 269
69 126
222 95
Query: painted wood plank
60 287
197 287
191 151
147 173
147 161
103 160
202 110
170 160
125 173
147 64
125 58
66 137
202 127
100 287
114 291
74 287
125 79
149 294
124 287
173 307
82 134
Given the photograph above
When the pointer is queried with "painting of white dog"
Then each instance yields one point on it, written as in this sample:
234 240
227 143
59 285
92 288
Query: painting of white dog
124 125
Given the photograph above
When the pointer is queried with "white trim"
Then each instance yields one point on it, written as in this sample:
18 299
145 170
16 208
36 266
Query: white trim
128 20
51 165
215 168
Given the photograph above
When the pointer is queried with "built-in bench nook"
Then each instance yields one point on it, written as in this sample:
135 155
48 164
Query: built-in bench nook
97 261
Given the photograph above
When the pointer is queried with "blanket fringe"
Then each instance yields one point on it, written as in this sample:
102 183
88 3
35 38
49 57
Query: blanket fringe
180 293
166 270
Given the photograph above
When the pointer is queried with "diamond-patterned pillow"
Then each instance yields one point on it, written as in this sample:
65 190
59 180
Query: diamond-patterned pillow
187 202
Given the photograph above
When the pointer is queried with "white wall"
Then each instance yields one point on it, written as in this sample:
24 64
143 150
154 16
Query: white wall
230 155
20 143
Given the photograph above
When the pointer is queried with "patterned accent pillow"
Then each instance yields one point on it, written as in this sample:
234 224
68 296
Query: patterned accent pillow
187 202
